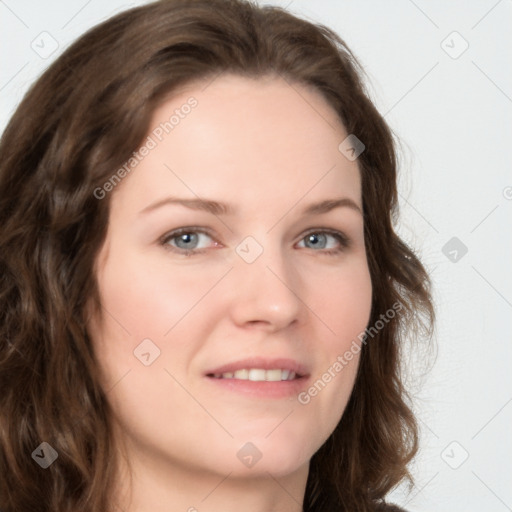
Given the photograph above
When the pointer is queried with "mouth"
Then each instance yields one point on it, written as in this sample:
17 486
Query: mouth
258 375
261 378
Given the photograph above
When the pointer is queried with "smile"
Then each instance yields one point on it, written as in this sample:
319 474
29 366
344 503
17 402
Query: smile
257 375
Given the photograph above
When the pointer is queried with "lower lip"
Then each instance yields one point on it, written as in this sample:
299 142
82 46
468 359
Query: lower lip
262 389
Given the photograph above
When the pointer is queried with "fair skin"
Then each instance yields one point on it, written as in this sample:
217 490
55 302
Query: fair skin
269 153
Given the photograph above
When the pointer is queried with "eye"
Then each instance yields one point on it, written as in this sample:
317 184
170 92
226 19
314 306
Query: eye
186 240
189 241
329 242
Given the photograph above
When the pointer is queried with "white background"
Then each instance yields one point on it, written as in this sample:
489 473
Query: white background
453 116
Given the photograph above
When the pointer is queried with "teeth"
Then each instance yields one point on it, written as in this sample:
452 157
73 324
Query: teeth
258 375
241 374
273 375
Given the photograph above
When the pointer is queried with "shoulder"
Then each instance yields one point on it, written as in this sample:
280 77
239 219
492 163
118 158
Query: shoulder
388 507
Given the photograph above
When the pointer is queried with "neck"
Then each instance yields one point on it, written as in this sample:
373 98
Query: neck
168 487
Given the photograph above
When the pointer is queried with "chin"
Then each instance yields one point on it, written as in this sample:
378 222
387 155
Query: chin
280 453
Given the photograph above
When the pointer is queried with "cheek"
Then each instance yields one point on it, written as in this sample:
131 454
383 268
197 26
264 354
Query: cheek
150 298
345 300
149 307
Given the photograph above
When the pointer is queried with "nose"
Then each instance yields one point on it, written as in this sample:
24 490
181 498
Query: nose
267 294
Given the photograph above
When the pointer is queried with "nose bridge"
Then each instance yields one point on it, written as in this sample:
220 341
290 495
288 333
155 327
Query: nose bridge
265 283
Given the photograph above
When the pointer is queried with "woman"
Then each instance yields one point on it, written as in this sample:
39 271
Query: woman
203 297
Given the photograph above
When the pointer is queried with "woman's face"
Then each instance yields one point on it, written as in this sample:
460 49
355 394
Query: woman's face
233 277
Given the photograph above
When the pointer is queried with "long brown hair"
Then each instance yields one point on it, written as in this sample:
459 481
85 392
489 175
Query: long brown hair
81 120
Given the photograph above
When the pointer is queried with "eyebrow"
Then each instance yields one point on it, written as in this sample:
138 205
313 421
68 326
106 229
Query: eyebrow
218 208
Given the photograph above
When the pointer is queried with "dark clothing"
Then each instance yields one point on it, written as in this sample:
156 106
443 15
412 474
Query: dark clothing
389 507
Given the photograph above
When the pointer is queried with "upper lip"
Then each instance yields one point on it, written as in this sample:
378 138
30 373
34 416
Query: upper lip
264 364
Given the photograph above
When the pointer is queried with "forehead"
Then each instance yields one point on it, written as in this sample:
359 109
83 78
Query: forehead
245 141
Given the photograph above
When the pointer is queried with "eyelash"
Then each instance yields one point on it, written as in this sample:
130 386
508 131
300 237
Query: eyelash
344 242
